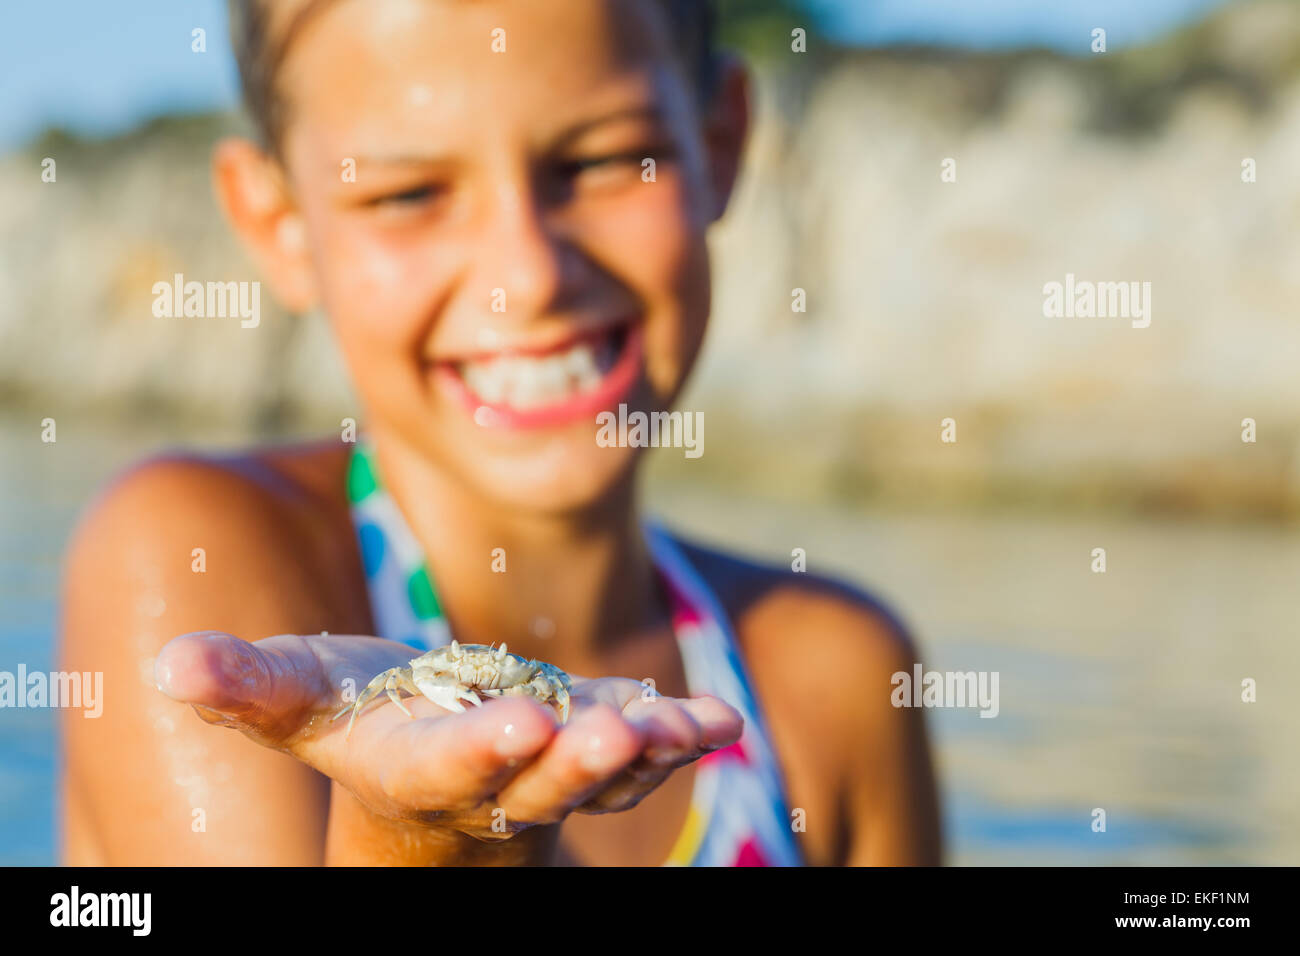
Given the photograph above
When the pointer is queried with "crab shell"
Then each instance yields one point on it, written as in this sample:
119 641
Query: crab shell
494 672
460 672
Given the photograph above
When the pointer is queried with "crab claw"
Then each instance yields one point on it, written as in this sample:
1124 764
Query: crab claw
447 694
467 693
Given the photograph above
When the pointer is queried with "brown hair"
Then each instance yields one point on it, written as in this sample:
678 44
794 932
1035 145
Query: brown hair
259 53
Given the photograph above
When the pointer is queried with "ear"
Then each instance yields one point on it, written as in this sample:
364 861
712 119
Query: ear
726 128
253 194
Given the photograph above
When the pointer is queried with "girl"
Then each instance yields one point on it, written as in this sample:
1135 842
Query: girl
497 272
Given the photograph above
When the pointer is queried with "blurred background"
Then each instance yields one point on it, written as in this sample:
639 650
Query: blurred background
1119 690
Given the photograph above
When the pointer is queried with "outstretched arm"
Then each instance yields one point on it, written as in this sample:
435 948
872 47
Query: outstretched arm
432 786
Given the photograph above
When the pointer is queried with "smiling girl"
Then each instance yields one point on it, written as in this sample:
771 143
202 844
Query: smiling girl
497 273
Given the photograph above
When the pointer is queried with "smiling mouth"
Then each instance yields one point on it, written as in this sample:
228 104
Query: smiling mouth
572 380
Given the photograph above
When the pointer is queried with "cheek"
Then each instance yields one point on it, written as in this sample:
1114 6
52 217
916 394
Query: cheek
654 233
662 254
673 345
377 292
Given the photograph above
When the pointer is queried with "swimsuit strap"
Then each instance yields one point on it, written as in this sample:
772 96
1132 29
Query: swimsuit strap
402 600
738 814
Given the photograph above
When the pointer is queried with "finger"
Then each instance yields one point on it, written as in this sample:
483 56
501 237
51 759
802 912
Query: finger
589 751
672 733
672 739
682 731
266 689
720 724
452 763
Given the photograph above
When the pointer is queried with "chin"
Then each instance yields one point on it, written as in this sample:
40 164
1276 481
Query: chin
561 478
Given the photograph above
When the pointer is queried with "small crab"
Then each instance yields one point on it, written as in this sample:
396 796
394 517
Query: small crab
448 675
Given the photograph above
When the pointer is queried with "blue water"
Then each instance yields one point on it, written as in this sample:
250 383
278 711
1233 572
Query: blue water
33 525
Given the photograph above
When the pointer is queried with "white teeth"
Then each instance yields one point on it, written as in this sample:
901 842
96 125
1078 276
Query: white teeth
525 382
485 380
581 362
550 377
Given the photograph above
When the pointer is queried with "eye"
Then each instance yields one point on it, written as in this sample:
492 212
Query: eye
414 196
601 162
631 160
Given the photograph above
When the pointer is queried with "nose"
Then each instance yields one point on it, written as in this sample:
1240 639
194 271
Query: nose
525 251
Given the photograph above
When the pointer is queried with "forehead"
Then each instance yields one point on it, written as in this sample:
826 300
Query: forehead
380 67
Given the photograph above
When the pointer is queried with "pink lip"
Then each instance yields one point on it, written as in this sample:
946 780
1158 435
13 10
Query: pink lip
613 387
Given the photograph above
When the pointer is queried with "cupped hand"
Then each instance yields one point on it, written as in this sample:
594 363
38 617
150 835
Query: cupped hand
490 772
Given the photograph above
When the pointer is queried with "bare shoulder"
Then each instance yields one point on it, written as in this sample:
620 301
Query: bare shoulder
256 483
806 627
822 655
271 516
249 544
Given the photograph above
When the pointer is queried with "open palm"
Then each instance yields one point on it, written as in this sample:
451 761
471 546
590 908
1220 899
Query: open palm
490 772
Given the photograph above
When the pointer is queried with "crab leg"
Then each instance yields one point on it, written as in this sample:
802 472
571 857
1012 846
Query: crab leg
390 681
371 691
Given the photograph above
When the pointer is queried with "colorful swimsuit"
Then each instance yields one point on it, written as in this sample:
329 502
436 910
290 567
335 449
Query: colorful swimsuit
738 814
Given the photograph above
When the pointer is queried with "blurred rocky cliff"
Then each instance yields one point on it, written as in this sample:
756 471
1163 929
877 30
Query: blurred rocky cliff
924 297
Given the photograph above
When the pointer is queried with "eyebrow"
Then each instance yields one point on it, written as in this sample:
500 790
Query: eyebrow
405 159
566 137
647 112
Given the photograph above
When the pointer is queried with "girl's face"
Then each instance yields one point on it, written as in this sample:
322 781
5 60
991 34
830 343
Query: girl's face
470 190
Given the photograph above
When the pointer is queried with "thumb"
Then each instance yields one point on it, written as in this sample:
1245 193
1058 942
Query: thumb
267 689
